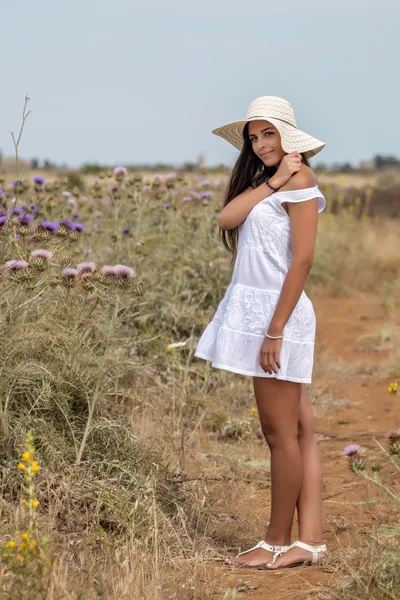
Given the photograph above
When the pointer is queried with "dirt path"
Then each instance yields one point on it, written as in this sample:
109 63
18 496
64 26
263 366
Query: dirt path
350 405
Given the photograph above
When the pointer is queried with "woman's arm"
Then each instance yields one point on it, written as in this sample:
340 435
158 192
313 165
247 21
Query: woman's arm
236 211
303 224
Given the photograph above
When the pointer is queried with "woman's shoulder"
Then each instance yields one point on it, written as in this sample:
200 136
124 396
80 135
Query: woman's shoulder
303 179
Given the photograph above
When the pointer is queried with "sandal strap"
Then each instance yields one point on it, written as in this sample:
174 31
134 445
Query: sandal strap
315 550
262 544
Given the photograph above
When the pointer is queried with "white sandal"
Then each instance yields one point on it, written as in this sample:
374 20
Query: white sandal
318 552
265 546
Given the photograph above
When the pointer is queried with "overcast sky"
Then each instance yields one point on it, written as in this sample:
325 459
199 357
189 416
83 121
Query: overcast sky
126 81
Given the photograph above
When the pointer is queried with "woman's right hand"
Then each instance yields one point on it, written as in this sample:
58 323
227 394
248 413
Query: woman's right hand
290 164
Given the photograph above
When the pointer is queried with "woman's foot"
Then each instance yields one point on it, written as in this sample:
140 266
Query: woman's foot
261 554
298 555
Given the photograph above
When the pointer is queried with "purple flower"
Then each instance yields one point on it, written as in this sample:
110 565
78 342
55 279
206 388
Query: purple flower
70 272
205 195
108 271
80 227
26 220
16 182
260 433
138 244
17 211
3 220
120 172
47 226
126 230
351 450
1 193
213 215
124 272
186 199
166 205
66 194
75 215
38 180
16 265
33 207
67 224
86 267
45 254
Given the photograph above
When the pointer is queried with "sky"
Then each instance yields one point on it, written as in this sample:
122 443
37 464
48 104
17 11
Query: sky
127 81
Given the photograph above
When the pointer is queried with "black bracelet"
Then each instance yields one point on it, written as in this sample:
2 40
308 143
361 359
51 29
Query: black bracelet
270 186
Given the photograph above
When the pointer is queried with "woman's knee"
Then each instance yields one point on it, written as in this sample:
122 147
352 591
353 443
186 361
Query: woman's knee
278 436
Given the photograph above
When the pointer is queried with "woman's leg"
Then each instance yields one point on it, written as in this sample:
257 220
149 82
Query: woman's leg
309 503
278 404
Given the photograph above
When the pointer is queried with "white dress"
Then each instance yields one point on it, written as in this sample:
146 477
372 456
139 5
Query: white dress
233 338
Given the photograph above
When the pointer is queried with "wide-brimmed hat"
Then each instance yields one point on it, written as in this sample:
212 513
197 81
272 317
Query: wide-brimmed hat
281 114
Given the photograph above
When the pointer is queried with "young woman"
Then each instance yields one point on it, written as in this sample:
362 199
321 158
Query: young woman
264 326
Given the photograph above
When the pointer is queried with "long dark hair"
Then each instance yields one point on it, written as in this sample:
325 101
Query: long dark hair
249 170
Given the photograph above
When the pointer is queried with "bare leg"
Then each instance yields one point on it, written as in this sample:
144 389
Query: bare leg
309 504
278 404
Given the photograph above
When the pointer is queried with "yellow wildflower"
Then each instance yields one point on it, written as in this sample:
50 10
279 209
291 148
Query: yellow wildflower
53 564
22 546
25 536
35 503
26 456
21 467
253 411
32 543
11 544
20 558
22 501
35 466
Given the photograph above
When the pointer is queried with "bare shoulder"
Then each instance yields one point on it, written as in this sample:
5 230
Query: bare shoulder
305 178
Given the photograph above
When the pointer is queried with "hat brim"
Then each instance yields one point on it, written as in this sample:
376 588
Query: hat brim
292 139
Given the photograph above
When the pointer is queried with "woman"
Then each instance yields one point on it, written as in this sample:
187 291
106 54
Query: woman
264 326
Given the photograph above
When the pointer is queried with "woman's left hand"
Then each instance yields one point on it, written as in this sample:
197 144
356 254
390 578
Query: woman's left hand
270 355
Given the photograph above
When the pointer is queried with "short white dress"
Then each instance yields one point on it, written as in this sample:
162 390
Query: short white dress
233 338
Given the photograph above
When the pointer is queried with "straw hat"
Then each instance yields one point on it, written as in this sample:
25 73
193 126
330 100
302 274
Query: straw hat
281 114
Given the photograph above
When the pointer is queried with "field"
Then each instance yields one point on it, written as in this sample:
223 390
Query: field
147 470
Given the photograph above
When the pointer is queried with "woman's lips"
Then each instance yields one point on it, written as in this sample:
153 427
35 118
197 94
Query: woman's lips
267 154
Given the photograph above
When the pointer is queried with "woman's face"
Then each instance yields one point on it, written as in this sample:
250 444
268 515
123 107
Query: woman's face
266 142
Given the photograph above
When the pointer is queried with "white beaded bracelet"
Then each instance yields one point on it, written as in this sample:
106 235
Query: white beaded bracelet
271 337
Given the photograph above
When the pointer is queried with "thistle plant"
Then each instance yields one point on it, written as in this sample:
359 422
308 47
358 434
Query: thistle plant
28 555
378 472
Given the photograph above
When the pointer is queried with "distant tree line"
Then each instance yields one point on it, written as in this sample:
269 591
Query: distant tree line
378 162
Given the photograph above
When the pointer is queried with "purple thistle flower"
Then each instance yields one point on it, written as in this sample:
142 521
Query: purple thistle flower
47 226
351 450
186 199
38 180
138 244
75 215
1 193
3 220
166 205
80 227
109 271
45 254
260 433
126 230
124 272
16 265
26 220
146 188
33 207
16 182
120 172
66 194
67 224
70 272
213 215
86 267
205 195
16 211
